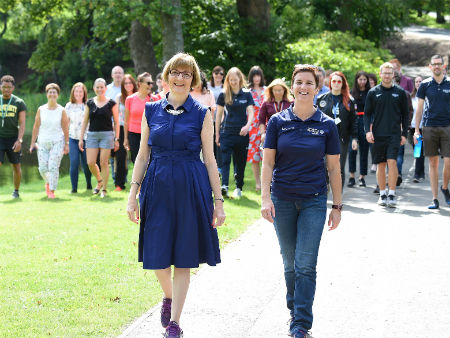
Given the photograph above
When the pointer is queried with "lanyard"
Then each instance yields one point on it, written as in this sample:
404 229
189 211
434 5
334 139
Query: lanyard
4 112
336 110
275 106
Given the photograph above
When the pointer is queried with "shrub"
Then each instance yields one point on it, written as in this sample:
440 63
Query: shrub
341 51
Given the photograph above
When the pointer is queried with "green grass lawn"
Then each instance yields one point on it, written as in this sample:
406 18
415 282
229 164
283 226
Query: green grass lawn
427 20
68 267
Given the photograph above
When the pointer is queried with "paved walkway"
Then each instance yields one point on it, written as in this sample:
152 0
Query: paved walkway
383 273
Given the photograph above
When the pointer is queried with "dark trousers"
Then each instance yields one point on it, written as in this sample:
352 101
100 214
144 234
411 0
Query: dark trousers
217 153
363 151
121 162
400 156
134 140
235 146
343 159
76 156
419 170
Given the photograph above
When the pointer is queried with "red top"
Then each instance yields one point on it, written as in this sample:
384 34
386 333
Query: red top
270 108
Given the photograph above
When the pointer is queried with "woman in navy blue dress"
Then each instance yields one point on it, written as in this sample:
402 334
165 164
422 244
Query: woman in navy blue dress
178 214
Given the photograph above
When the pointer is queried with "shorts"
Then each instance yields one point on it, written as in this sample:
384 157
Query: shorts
386 148
6 144
436 141
100 139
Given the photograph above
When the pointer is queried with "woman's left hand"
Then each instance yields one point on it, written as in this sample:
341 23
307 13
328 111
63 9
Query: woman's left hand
355 144
66 149
334 219
116 145
218 215
244 130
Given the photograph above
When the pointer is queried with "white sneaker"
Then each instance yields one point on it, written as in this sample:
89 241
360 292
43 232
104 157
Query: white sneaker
224 191
237 193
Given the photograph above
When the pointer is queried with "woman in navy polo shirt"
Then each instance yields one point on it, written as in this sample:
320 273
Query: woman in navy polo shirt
294 190
233 137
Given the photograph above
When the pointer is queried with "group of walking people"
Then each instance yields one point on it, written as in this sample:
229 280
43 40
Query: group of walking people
301 133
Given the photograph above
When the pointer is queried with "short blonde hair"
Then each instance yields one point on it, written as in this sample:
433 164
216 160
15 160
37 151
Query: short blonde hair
386 65
78 84
182 60
52 86
227 87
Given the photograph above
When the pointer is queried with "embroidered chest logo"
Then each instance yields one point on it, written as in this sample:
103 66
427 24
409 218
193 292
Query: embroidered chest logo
378 95
315 131
394 95
446 91
287 128
322 103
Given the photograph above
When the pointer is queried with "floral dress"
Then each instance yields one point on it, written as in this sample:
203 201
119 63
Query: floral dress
254 150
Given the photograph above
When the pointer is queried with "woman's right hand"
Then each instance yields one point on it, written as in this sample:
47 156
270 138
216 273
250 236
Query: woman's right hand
133 208
81 145
32 147
268 209
125 144
217 140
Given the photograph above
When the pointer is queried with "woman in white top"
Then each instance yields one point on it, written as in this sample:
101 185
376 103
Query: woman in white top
419 167
51 129
75 112
216 83
202 94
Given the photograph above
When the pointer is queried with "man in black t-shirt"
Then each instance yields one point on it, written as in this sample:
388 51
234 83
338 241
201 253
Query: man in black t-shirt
12 128
386 125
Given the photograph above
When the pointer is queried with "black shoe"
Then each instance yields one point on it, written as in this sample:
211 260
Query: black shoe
362 182
377 190
351 182
15 194
416 180
74 191
399 180
434 205
446 195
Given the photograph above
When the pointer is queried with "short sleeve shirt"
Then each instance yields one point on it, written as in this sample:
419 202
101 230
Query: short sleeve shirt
136 108
75 113
437 102
9 116
236 112
301 146
100 119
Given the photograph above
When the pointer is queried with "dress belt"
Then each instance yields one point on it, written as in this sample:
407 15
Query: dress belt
176 155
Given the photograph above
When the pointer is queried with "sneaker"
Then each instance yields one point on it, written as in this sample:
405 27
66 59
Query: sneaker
103 193
173 330
434 205
351 182
15 194
399 180
377 190
446 195
362 182
392 201
382 200
421 179
298 333
237 193
416 180
373 168
118 188
166 310
225 191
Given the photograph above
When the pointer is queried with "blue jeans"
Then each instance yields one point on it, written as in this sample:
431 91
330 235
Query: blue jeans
75 155
400 156
299 226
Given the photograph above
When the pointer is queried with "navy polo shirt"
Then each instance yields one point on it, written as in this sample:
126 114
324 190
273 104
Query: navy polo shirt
437 97
301 146
236 112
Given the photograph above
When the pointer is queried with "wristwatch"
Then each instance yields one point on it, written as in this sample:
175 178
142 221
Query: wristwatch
219 199
337 206
20 140
116 140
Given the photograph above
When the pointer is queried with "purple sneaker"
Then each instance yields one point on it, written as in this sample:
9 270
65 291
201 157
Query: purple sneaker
173 331
166 310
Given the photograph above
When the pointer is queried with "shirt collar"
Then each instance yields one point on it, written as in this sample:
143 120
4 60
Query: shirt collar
315 117
187 105
443 80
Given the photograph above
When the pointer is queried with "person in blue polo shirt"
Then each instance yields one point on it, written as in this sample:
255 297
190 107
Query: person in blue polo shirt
436 125
294 190
233 138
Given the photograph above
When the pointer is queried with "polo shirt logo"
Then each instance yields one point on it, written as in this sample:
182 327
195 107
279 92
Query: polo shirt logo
315 131
322 103
446 91
286 129
394 95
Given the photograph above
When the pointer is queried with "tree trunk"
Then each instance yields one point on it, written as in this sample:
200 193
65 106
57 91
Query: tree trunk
172 32
141 49
259 10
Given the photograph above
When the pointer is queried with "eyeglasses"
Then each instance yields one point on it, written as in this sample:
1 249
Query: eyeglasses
387 73
185 75
127 83
436 64
218 73
336 81
148 82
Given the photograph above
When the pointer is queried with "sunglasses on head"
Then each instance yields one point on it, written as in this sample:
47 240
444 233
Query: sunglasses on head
218 73
148 82
336 81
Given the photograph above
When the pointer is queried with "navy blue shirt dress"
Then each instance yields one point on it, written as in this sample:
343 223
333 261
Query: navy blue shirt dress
176 201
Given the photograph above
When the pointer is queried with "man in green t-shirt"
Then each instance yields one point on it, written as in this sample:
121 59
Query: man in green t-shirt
12 128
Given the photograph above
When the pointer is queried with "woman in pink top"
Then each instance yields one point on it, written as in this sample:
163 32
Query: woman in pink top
202 94
134 108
